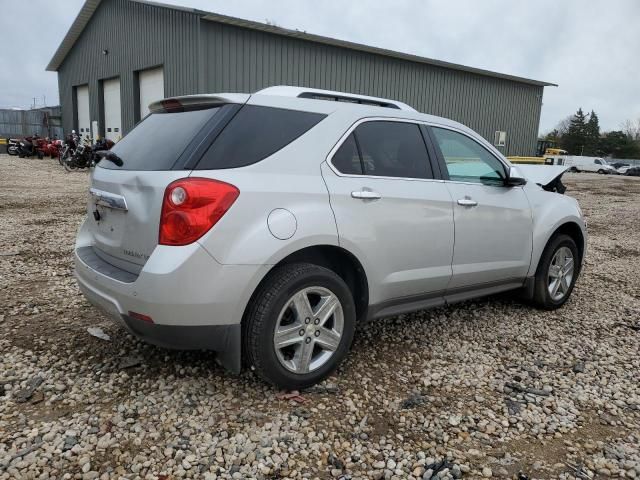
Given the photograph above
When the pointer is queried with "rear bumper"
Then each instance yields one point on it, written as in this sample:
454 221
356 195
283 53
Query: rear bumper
194 302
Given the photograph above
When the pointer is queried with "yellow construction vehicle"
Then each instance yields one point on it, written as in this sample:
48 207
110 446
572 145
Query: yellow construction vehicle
545 148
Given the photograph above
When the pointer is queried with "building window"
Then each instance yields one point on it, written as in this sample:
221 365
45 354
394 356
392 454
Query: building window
500 139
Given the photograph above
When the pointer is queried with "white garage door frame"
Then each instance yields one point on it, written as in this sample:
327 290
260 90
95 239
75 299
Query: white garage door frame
151 88
112 109
83 112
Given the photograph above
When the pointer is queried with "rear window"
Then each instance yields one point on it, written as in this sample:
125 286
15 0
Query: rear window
158 141
254 134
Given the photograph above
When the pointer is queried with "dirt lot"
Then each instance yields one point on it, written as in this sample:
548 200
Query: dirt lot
488 388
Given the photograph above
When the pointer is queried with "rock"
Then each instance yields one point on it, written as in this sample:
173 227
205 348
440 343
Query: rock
579 367
130 361
414 400
455 420
98 333
427 474
379 465
486 472
26 393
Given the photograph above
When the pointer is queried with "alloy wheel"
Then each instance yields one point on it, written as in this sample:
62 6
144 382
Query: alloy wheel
560 273
308 330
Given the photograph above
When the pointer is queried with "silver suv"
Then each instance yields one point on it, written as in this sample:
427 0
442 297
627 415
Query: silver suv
266 226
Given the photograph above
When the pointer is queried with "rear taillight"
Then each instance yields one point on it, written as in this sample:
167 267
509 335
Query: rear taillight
191 206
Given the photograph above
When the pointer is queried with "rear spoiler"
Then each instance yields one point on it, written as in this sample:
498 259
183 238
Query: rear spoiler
194 102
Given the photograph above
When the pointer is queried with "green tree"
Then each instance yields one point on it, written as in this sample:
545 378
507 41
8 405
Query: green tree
619 145
575 139
592 135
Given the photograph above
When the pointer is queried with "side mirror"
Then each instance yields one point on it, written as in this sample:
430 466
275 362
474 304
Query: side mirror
515 178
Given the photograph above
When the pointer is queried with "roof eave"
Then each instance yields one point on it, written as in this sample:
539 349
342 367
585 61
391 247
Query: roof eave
76 28
90 6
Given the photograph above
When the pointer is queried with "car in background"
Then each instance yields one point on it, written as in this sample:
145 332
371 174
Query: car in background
633 172
589 164
618 165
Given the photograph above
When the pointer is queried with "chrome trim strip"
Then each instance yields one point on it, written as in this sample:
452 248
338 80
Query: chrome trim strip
108 199
355 125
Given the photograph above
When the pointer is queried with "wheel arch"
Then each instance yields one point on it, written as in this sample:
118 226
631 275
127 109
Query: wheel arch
337 259
573 230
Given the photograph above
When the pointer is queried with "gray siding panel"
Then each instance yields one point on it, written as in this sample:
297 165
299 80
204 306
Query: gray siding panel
485 104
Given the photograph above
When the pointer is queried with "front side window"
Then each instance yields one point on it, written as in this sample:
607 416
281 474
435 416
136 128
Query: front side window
467 160
386 149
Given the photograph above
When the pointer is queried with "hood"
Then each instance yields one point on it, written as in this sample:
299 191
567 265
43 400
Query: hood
542 174
547 176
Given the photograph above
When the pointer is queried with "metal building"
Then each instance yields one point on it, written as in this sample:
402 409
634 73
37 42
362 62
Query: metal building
121 54
43 121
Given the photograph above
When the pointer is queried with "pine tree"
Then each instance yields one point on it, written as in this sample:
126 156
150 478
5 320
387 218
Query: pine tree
575 139
592 135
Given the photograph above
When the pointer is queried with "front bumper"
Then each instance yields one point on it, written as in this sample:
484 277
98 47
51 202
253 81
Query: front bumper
194 302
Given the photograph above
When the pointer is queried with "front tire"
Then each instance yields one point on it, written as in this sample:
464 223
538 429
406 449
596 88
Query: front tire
557 273
601 172
299 326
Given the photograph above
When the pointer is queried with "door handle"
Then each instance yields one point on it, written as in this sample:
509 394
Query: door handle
467 202
366 195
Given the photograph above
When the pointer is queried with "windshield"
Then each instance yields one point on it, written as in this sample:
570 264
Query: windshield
159 140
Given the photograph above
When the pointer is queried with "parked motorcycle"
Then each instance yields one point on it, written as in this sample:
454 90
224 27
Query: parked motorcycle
51 148
68 149
30 147
85 154
12 146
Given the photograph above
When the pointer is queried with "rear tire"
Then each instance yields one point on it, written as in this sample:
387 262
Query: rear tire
573 170
601 172
70 165
555 277
283 340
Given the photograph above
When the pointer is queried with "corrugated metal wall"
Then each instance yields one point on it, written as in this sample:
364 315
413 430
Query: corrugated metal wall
23 123
243 60
236 59
137 37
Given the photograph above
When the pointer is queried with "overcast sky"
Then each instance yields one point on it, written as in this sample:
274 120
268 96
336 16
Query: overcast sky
590 48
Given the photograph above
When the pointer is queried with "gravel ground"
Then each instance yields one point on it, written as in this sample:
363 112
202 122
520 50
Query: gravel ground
487 388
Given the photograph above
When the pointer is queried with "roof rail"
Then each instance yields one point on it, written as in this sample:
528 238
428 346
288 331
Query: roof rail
318 94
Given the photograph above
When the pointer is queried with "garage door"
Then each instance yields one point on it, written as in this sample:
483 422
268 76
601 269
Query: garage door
112 113
151 88
84 117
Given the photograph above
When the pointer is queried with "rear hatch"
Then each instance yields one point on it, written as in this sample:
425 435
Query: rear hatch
126 197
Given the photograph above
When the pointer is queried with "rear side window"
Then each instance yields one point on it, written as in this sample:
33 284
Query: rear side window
347 159
386 149
157 142
254 134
